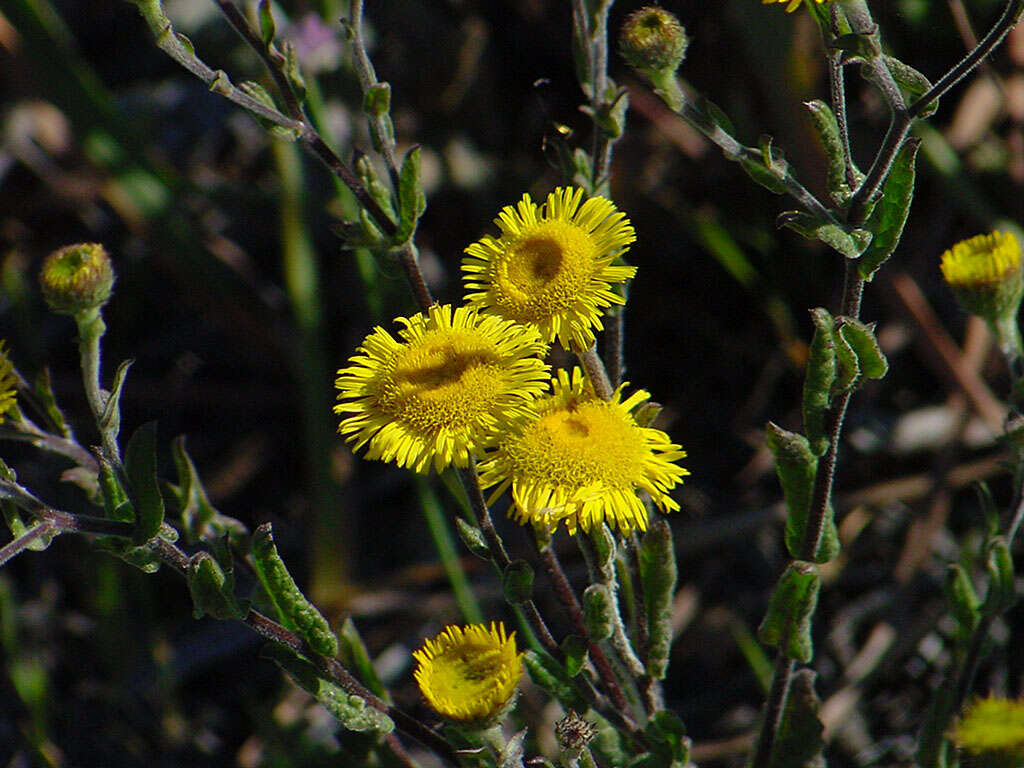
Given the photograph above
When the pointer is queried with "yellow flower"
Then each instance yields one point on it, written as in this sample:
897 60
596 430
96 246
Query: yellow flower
468 674
985 274
793 4
552 266
8 383
992 731
582 460
441 391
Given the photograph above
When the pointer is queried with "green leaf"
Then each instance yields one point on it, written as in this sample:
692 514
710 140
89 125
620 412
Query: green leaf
598 611
931 741
657 565
212 589
799 743
964 602
787 623
111 417
295 611
574 648
827 128
861 338
796 466
552 677
517 582
267 27
411 200
847 366
849 244
890 213
355 658
667 732
512 754
766 177
350 710
293 72
42 388
115 500
854 45
377 99
913 84
821 373
473 538
1002 593
196 510
143 485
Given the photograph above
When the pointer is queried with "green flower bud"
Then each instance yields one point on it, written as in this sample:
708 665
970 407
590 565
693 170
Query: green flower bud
77 278
985 274
653 40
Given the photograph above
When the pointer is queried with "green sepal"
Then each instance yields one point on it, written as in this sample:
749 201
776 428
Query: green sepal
800 742
143 485
42 388
598 611
849 244
964 602
473 538
656 562
890 213
293 72
110 419
1002 592
355 658
861 338
787 623
115 500
668 739
268 30
377 99
212 589
517 582
821 373
827 127
411 200
574 649
552 677
294 610
350 710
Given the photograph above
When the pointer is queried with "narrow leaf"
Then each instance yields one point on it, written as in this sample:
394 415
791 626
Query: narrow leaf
549 675
861 338
144 487
799 743
787 623
827 128
411 200
890 213
849 244
268 29
821 373
657 565
354 656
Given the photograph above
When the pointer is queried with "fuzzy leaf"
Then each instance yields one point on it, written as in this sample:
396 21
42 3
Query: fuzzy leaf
787 623
473 538
267 27
827 128
849 244
799 743
658 574
411 200
42 388
574 648
350 710
847 366
598 611
549 675
890 213
212 589
1002 593
821 373
111 417
861 338
964 602
144 488
296 612
517 582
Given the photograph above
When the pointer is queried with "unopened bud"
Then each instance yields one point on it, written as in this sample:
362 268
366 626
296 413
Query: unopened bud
653 40
986 275
77 278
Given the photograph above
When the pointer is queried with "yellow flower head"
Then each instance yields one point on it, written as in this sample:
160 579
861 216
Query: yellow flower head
552 266
8 383
442 390
992 731
582 460
468 674
985 273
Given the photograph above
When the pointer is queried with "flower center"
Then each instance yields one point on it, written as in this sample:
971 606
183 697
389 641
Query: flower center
442 381
583 444
544 270
468 670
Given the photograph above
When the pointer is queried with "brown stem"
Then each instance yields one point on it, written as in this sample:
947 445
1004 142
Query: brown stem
21 543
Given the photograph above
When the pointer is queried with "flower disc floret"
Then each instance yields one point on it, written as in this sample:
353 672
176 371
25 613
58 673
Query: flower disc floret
440 391
582 460
552 265
469 674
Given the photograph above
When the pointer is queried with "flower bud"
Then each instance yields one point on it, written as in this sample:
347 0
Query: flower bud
77 278
653 40
991 732
985 274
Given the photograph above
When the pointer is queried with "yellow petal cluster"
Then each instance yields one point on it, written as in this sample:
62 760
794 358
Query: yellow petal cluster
985 274
469 674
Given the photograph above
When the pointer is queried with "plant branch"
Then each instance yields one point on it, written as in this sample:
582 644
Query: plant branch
29 537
